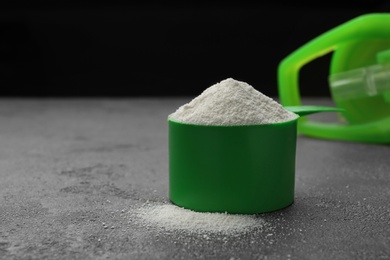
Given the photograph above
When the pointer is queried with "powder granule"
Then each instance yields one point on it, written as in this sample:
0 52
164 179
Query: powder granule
173 218
232 102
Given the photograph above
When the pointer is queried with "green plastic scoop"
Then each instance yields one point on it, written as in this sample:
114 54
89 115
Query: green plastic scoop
243 169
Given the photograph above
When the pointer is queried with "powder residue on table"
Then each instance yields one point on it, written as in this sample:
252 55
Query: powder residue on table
232 102
170 217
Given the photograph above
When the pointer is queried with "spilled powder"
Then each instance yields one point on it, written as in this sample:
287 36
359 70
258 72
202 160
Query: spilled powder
170 217
232 102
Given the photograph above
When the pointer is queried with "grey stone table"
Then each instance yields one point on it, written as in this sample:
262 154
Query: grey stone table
69 165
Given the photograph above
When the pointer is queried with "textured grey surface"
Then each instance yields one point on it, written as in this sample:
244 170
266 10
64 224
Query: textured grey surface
67 166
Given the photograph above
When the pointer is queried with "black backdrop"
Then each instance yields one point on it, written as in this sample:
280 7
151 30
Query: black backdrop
119 49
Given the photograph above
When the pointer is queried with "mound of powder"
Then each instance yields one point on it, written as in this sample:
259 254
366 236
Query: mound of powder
232 102
170 217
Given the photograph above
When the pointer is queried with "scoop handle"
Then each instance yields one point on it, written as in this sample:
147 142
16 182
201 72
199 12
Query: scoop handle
307 110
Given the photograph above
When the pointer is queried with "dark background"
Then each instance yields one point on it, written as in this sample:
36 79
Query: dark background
144 48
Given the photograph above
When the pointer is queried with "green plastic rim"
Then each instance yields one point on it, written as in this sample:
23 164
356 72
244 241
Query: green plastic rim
233 169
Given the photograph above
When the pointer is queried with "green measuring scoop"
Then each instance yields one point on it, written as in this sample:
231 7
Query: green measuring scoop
243 169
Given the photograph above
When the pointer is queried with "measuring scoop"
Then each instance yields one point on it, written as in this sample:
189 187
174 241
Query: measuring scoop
243 169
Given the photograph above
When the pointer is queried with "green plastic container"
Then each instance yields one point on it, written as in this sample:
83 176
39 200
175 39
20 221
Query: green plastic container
359 79
233 169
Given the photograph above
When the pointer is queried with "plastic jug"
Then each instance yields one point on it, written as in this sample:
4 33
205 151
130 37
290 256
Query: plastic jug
359 79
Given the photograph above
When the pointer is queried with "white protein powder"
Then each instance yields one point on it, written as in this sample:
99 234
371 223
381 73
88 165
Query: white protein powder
231 102
170 217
